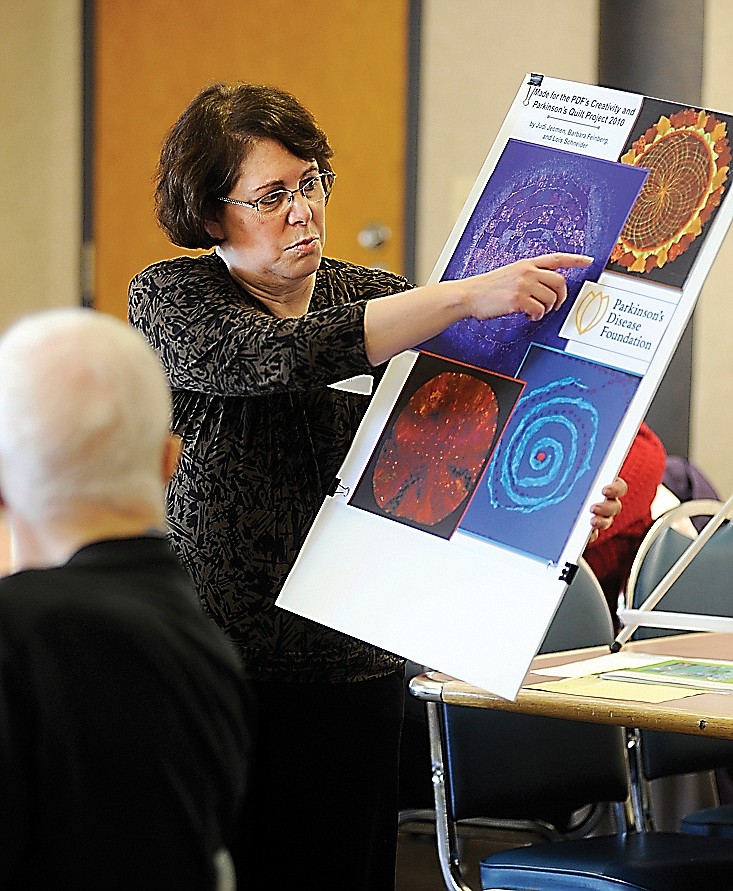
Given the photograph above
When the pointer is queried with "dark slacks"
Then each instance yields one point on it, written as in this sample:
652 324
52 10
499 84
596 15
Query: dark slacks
322 804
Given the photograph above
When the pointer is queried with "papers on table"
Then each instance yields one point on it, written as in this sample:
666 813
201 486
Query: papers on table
596 686
639 677
608 662
706 674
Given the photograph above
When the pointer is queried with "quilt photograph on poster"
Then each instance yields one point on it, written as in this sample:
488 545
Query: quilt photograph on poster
550 452
435 444
537 201
687 152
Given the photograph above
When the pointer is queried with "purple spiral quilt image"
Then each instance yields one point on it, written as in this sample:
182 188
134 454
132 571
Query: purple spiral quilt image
550 452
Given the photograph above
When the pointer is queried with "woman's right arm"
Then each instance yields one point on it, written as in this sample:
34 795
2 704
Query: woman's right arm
400 321
210 338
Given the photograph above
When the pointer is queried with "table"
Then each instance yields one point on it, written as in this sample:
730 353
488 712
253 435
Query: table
707 714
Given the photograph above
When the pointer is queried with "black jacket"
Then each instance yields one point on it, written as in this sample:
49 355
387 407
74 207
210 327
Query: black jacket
124 731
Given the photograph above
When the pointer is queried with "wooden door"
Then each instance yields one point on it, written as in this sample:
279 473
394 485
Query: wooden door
346 61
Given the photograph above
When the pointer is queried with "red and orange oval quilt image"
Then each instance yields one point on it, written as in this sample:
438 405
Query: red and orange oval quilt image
436 449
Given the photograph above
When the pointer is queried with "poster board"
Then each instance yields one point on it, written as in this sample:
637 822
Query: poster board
463 504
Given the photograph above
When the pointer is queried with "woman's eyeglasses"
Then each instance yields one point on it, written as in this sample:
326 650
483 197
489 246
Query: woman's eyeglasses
315 190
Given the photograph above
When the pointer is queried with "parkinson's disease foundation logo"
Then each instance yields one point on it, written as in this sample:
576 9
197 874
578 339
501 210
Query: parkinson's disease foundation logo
590 311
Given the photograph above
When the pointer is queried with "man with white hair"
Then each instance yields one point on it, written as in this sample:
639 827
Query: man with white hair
123 725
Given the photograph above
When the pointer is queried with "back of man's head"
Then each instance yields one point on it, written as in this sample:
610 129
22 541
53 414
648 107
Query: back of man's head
84 416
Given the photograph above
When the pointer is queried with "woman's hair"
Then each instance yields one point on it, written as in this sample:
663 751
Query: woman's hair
202 154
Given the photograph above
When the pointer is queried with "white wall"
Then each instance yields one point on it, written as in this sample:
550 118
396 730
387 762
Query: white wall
712 406
40 155
475 54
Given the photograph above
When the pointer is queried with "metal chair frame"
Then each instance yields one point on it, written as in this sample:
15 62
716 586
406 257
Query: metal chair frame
449 830
644 816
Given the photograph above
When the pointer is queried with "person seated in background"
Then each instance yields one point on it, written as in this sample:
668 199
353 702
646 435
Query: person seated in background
124 733
612 552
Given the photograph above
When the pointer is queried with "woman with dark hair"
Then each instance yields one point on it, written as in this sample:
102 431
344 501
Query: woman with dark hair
251 335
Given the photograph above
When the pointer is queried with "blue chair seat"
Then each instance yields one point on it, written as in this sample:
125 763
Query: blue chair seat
715 821
657 861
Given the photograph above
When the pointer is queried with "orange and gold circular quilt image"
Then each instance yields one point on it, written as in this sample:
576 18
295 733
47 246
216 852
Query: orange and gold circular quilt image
688 155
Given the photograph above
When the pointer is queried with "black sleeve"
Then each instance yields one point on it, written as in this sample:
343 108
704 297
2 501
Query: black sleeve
212 338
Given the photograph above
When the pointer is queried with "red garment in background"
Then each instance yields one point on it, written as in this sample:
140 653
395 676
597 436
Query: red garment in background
610 556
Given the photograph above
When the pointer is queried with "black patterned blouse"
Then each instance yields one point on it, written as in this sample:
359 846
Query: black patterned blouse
264 436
